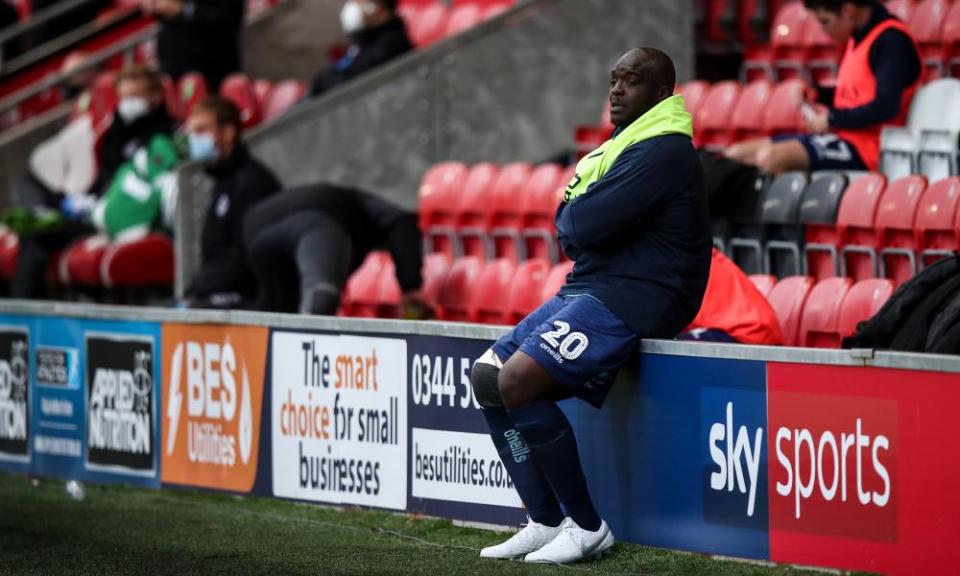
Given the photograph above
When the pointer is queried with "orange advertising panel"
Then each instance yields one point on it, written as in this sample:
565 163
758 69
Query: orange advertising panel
211 404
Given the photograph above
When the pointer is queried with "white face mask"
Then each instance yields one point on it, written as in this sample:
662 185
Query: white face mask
202 147
351 17
130 109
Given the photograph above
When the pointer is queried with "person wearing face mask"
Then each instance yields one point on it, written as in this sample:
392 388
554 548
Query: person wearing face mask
224 279
141 114
198 36
377 34
140 120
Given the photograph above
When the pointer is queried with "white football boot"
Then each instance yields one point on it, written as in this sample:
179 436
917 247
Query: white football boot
533 537
574 544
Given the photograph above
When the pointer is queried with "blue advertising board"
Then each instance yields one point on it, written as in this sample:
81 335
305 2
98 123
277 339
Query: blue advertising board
678 458
16 423
95 400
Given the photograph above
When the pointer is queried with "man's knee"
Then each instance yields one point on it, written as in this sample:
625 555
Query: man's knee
783 157
513 384
484 377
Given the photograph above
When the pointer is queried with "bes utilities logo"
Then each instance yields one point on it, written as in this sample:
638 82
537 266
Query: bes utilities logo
14 394
211 423
732 423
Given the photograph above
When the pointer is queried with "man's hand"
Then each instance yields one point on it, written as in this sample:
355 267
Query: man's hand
817 119
414 306
167 9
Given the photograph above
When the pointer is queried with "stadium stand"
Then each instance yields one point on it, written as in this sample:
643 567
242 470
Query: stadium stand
788 298
821 314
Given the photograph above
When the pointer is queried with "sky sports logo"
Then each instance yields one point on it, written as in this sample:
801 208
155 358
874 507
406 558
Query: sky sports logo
833 463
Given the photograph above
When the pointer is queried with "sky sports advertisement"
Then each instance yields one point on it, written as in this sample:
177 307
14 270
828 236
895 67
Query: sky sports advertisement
88 389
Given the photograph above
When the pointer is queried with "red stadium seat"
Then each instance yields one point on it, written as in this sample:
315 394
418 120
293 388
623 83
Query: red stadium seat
81 262
526 289
861 303
143 263
506 210
100 100
489 297
749 114
475 209
496 9
262 90
556 279
787 299
902 9
439 201
787 53
951 40
896 238
937 223
713 118
926 26
456 294
855 226
282 97
369 292
693 94
819 326
434 273
170 97
462 18
9 251
426 24
191 88
764 283
783 108
539 207
238 88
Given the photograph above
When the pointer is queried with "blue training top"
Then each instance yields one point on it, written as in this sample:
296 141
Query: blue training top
641 237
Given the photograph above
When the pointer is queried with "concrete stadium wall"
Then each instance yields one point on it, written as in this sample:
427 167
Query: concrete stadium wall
511 89
838 459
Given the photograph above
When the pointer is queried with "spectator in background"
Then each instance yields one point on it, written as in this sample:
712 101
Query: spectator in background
62 205
879 74
733 310
305 242
141 114
198 36
377 34
68 21
225 279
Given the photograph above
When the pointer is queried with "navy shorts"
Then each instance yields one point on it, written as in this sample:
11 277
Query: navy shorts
827 152
577 340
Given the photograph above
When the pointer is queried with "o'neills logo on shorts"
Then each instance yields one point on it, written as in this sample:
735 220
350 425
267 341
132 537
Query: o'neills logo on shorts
14 393
120 402
211 422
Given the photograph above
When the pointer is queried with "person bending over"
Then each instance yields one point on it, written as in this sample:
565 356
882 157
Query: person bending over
878 77
305 242
635 221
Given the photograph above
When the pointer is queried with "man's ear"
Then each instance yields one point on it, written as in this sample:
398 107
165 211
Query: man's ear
664 93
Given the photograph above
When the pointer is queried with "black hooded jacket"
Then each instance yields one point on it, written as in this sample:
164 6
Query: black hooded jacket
370 48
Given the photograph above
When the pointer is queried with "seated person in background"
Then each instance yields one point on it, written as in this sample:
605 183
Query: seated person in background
305 242
879 74
733 310
64 197
224 279
377 34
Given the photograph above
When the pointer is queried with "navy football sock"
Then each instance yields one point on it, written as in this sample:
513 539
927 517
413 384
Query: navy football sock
554 447
537 496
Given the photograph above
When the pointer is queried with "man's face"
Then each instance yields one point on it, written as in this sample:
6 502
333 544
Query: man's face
839 26
631 92
135 88
204 122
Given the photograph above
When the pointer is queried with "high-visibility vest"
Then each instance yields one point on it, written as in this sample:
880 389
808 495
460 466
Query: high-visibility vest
857 86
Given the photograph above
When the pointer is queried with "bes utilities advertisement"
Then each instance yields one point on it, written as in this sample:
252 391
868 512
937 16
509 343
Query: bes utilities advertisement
339 417
212 401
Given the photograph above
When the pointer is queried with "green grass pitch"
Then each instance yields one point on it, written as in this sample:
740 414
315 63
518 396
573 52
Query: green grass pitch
119 530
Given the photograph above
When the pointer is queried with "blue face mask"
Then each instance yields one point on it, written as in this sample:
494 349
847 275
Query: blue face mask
202 147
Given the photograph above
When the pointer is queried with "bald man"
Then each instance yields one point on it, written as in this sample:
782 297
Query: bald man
634 220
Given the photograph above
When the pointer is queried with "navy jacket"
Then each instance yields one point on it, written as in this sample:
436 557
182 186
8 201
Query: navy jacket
640 237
